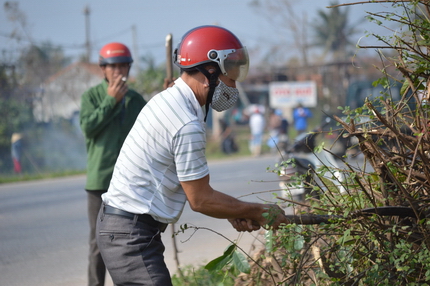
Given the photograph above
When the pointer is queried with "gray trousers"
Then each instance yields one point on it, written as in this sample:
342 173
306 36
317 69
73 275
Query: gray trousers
132 251
96 266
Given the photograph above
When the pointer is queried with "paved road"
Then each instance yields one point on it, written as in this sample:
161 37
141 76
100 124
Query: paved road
44 228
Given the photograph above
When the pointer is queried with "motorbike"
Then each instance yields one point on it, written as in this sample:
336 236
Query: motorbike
299 162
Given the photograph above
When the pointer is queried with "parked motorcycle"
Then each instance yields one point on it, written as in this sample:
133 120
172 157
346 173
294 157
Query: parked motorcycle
297 162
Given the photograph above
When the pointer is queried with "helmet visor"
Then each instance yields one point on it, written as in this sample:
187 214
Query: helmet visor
234 63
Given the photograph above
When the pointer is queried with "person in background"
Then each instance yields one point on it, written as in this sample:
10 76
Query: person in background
228 143
274 126
16 150
108 111
283 139
301 115
162 163
284 125
257 125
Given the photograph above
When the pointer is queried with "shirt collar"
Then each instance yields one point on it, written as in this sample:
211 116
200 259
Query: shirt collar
189 94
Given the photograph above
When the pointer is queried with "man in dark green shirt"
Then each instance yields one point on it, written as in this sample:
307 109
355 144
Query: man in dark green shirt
108 111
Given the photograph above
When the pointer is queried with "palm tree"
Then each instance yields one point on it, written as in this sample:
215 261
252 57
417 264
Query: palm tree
333 32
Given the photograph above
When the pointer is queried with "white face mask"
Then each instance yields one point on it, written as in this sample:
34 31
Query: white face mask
224 97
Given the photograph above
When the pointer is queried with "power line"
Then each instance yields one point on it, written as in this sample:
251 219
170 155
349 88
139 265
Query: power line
42 43
120 33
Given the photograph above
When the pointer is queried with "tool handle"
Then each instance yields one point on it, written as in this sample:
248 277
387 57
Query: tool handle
310 219
169 61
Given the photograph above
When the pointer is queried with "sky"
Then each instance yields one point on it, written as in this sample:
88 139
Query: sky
62 22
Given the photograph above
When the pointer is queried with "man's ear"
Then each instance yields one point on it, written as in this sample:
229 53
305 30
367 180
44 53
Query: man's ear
103 68
206 82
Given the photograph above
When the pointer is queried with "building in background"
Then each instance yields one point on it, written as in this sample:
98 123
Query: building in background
60 95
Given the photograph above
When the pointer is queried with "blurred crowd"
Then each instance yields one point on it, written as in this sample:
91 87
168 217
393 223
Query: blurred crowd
268 127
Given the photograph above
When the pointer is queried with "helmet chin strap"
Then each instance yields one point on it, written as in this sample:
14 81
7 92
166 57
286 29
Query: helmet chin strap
213 78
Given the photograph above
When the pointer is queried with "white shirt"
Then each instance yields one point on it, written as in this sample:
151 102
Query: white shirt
257 123
165 146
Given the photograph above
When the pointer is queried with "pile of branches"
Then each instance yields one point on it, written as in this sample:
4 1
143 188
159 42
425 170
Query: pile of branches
397 146
374 232
378 230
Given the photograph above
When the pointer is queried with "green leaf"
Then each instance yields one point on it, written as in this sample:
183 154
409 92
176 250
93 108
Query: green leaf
240 262
269 240
346 238
220 262
404 87
299 242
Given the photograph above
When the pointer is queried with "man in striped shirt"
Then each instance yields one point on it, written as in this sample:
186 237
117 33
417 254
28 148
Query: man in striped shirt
162 163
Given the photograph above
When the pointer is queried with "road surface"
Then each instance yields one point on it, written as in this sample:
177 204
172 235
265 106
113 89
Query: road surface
44 227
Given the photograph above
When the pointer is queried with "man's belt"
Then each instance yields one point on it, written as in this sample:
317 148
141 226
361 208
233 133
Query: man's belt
145 218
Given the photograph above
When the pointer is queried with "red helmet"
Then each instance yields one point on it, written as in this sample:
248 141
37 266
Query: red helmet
213 44
114 53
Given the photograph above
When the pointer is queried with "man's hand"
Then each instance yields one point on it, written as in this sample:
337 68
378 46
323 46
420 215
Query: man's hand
273 216
117 88
241 224
168 83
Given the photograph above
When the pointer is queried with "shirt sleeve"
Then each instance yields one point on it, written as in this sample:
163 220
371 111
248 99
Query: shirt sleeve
189 146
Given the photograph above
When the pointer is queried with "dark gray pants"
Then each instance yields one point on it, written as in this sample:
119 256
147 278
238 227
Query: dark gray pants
96 266
132 250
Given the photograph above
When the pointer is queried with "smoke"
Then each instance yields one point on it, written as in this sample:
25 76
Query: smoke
54 147
64 149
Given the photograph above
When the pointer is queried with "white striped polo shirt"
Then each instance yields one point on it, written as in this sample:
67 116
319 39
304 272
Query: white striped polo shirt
165 146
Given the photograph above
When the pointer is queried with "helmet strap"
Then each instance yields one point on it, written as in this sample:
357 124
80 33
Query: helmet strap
213 78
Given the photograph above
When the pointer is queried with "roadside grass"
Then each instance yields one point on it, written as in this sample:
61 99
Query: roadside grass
10 178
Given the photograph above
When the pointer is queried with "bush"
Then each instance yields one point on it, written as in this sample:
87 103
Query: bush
378 228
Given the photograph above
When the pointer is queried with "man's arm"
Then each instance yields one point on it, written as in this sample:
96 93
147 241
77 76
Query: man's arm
204 199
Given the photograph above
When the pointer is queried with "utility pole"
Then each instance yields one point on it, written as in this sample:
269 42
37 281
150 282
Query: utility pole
135 51
87 13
